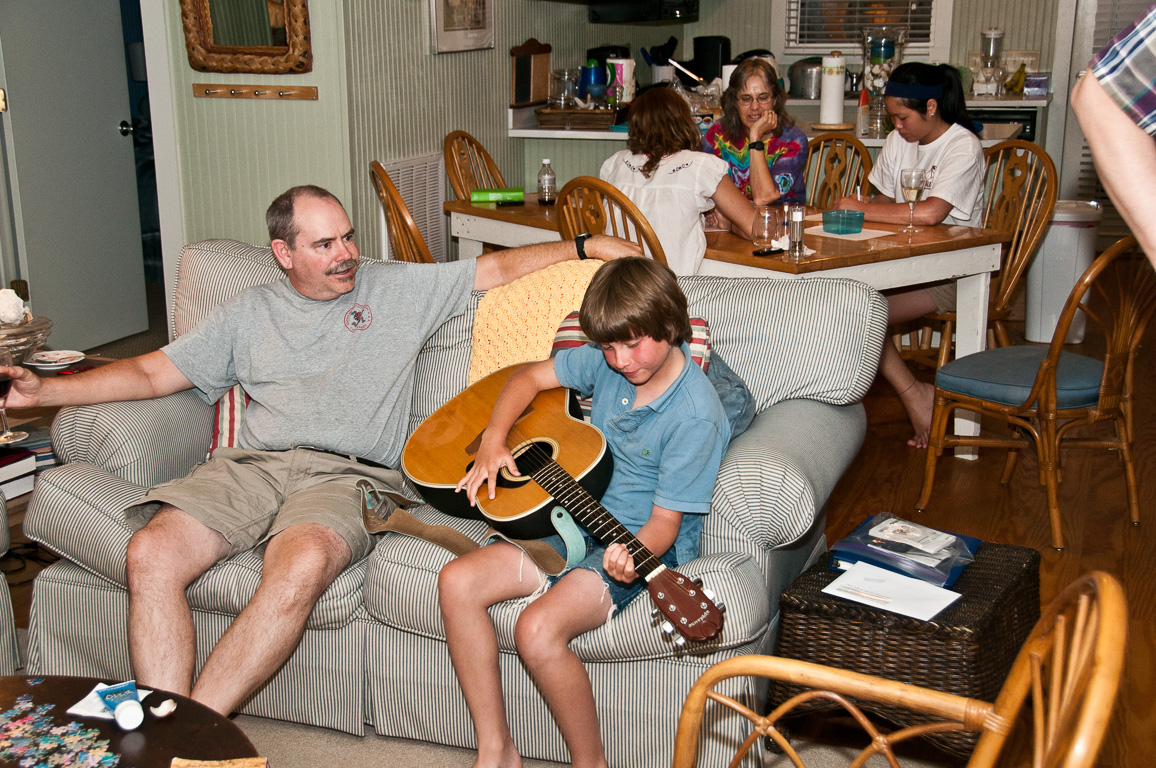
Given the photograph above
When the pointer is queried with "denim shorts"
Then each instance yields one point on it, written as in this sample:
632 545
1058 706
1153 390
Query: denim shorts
620 593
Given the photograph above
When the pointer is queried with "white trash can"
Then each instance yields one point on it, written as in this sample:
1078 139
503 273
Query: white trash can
1067 249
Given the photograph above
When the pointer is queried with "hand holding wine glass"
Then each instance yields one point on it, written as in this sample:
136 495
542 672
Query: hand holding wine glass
912 181
8 436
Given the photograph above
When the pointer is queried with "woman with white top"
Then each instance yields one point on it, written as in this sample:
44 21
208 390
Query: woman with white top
933 133
663 172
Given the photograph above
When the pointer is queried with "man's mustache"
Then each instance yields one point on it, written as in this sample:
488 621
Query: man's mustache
352 264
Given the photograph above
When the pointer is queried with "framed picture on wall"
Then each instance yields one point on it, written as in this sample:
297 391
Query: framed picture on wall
461 25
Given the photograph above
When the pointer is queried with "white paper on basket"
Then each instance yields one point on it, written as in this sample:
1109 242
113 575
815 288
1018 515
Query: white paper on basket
831 90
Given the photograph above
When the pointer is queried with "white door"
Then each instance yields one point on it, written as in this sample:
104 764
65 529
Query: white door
71 181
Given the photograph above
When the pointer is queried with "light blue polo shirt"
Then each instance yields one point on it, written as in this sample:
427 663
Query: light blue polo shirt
666 453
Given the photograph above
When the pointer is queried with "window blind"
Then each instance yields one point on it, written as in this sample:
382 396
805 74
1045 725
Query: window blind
825 23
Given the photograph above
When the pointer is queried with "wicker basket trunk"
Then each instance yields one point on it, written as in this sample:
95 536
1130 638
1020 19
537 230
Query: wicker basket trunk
967 649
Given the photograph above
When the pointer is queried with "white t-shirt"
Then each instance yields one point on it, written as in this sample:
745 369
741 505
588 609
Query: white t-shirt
673 199
956 163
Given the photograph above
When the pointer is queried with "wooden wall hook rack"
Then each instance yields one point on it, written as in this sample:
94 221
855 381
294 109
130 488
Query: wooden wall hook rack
282 92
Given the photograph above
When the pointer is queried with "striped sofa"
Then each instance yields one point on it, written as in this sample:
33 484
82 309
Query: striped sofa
374 652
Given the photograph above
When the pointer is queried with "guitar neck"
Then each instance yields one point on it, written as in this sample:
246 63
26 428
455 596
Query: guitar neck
591 515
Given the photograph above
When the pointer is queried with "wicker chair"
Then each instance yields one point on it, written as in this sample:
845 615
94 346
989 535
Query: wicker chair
587 204
1070 668
1020 190
469 166
1035 389
837 164
404 237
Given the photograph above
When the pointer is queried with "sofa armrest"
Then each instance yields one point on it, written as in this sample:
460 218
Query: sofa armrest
776 476
144 442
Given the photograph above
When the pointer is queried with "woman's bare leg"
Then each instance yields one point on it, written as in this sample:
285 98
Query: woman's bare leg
918 397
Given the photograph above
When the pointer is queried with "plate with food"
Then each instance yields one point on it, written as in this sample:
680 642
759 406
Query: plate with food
54 360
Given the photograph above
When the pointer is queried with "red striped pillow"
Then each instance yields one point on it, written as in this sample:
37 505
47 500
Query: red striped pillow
228 418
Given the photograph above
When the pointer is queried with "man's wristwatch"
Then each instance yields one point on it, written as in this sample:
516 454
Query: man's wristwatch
580 244
759 145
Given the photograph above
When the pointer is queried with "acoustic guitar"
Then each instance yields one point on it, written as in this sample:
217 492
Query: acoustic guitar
563 462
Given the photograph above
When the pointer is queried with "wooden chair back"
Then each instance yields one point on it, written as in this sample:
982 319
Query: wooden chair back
1069 667
404 236
587 204
469 166
837 164
1020 190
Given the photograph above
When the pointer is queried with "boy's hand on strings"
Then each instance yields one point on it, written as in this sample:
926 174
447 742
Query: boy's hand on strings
492 456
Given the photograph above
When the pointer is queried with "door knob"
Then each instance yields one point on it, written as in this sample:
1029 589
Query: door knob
125 128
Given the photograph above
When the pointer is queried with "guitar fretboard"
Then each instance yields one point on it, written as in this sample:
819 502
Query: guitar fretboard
585 508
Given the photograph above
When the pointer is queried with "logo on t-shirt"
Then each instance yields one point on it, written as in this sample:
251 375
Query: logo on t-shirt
359 318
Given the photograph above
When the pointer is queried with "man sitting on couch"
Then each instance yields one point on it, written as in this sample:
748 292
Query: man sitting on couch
327 356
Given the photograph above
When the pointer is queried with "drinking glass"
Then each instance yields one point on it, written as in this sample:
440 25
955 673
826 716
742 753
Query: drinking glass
767 227
8 436
912 181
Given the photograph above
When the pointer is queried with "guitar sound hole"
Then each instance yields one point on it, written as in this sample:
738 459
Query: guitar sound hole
530 457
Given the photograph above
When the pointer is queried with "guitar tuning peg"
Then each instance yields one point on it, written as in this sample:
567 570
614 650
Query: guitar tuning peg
667 627
680 641
721 608
708 592
698 581
654 613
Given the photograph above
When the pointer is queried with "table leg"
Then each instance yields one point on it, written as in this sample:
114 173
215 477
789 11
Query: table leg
970 337
469 249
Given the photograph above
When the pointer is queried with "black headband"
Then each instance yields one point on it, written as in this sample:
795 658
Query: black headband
912 91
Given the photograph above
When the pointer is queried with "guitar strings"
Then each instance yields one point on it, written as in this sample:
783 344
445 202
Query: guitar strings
579 503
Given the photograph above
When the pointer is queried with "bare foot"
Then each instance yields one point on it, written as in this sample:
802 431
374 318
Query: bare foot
506 757
919 401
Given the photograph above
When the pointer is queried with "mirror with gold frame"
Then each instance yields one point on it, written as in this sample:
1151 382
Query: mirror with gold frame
267 37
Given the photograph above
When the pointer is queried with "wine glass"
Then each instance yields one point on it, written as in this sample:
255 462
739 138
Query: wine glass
912 180
767 227
8 436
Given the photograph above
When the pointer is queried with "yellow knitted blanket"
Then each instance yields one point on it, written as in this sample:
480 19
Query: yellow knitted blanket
516 323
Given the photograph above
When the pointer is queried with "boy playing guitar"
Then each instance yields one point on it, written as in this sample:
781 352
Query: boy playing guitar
667 431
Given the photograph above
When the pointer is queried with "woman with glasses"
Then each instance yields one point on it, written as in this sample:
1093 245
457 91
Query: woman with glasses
766 153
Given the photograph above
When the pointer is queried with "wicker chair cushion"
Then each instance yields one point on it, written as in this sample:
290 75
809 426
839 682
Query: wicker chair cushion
1006 374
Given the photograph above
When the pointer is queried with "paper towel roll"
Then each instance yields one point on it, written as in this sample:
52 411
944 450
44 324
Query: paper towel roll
831 90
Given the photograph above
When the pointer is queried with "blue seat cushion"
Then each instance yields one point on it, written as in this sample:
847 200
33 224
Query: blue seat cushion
1005 375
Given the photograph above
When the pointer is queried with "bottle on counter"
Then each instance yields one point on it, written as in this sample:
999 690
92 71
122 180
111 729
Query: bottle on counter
547 184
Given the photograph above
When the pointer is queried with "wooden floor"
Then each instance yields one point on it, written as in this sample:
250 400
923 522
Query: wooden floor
968 499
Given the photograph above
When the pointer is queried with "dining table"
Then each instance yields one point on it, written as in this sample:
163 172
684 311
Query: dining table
882 256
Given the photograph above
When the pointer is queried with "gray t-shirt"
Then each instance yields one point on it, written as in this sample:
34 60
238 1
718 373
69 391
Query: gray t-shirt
335 375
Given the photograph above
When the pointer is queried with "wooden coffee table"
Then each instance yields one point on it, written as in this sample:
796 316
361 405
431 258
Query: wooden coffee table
192 731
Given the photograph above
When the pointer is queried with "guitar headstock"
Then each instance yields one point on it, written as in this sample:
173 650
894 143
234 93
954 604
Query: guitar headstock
685 604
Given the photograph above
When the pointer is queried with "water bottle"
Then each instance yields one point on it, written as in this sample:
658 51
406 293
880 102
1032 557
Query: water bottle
547 184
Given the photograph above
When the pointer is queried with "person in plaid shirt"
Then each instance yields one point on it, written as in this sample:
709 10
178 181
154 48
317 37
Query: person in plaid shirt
1115 102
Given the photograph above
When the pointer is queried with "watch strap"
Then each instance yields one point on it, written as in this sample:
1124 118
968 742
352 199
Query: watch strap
580 244
759 145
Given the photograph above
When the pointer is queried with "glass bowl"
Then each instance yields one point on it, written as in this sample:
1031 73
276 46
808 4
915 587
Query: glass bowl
24 339
843 222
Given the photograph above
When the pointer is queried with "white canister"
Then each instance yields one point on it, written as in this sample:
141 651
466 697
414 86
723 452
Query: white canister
727 71
662 74
621 72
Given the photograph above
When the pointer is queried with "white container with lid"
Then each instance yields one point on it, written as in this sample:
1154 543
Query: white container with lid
1066 251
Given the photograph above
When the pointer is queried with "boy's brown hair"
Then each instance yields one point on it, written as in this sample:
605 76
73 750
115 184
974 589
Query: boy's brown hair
634 297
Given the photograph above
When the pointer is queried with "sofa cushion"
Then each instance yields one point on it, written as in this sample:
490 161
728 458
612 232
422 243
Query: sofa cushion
817 338
211 272
229 419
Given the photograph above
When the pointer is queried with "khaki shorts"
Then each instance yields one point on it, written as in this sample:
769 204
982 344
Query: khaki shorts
250 496
943 294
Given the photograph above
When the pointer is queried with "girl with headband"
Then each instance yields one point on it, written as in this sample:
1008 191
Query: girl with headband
933 133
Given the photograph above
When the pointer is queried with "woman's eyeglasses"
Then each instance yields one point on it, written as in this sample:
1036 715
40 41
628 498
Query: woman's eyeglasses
746 99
